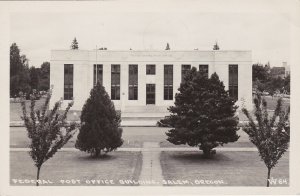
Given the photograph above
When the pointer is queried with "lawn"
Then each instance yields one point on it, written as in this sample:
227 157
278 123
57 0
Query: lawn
272 102
133 137
16 109
271 105
19 139
243 142
78 166
231 168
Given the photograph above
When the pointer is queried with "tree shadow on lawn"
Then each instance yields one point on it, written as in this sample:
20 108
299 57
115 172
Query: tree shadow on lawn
242 168
199 156
104 157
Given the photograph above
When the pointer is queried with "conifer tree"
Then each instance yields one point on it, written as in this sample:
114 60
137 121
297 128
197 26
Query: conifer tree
216 46
271 136
74 45
203 114
100 124
19 72
48 131
168 47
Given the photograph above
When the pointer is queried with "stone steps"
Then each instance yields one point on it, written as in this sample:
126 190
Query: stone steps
143 115
139 123
146 109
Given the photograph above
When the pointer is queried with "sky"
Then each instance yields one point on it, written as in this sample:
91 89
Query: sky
265 34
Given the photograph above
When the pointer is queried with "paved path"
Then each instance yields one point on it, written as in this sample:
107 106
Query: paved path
151 169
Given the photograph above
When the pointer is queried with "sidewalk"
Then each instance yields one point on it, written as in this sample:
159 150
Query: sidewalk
131 122
154 149
151 168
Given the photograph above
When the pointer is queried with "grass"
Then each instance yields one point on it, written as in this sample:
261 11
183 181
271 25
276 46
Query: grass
78 166
272 102
166 144
233 168
19 139
242 142
16 109
271 105
133 137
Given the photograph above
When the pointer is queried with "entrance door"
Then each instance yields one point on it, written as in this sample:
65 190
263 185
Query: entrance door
150 93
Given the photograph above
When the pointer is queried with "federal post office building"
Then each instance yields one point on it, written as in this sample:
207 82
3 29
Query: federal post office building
144 82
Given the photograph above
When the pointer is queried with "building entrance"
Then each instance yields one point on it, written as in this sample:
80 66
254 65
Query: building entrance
150 94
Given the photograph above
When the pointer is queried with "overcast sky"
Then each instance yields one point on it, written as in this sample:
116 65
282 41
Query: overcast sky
266 34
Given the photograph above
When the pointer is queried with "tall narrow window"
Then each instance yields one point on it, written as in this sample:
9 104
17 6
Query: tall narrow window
168 82
98 74
133 82
115 82
204 69
68 82
184 70
233 81
150 69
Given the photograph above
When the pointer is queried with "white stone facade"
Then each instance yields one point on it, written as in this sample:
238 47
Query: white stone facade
83 60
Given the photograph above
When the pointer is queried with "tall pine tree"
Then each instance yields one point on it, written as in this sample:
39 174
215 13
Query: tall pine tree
216 46
34 77
203 115
44 83
19 72
168 46
74 45
100 124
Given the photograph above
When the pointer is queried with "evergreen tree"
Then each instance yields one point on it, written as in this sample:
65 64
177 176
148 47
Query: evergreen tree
260 72
203 115
216 46
47 131
44 84
271 136
287 83
168 47
34 77
19 72
100 124
74 45
275 85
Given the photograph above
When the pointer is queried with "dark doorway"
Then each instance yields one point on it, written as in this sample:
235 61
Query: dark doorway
150 93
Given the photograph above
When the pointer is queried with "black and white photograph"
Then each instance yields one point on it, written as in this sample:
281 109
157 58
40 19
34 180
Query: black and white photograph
160 97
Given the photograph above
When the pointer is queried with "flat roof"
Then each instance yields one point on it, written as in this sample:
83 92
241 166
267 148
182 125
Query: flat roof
153 50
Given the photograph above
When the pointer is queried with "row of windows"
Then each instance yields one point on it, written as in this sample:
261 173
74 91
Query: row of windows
133 71
150 70
133 79
185 68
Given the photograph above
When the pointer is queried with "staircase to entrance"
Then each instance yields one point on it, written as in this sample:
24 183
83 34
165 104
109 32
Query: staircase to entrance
147 115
